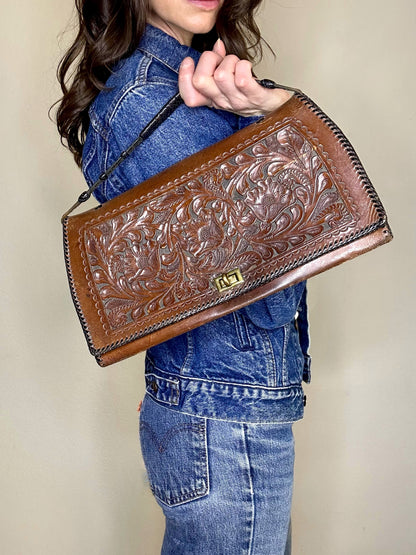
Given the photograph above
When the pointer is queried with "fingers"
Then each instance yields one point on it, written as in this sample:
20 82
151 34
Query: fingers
191 96
226 82
215 79
235 81
197 85
244 79
234 73
205 71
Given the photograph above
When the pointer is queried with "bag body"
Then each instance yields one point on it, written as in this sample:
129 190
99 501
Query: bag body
273 204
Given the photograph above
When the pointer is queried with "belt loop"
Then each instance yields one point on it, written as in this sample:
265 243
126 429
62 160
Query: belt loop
164 390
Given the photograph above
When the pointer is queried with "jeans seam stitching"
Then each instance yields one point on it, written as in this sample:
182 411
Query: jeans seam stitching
270 359
285 375
253 506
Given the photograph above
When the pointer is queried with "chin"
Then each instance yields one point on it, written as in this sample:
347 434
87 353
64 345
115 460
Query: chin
203 30
203 27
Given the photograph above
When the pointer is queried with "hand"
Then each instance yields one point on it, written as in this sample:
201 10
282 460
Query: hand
226 82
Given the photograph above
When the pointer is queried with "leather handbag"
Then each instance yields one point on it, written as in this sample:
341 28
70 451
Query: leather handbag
273 204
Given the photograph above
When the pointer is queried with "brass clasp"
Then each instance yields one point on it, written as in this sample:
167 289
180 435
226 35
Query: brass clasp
228 280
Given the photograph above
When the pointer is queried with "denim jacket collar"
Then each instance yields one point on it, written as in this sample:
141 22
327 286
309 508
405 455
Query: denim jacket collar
165 48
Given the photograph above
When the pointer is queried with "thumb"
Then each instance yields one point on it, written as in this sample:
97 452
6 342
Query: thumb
219 48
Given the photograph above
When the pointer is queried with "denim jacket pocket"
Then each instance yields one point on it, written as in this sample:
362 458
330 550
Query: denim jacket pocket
293 358
242 331
174 449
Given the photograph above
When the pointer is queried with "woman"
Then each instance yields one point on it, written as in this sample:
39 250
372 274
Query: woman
216 421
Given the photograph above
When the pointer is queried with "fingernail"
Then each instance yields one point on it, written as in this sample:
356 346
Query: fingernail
186 61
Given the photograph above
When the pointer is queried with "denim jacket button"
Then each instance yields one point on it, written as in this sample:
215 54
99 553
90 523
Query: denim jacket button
154 387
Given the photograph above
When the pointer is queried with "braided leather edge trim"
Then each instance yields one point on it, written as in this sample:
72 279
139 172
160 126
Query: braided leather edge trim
73 291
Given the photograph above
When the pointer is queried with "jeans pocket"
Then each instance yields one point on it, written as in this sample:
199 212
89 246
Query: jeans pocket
174 449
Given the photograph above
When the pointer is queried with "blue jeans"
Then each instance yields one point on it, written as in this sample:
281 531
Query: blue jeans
224 487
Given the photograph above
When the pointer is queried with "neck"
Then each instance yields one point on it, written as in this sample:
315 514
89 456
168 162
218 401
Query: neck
182 36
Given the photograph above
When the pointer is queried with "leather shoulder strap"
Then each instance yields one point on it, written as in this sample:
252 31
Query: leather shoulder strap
159 118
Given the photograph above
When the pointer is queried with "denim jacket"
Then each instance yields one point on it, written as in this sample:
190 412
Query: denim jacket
247 365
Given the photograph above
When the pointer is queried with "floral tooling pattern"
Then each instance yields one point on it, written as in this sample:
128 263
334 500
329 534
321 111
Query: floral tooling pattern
247 212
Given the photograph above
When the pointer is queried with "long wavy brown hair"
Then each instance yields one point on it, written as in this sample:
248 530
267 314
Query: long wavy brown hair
110 30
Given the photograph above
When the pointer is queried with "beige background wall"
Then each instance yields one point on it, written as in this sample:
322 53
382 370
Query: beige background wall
71 477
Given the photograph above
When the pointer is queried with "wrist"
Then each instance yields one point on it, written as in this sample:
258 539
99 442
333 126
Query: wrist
274 100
